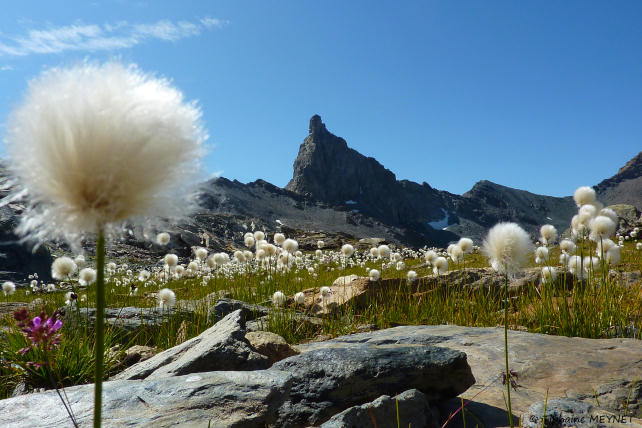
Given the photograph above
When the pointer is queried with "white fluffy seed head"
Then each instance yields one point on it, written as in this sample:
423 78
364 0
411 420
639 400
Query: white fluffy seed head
608 212
564 259
508 246
259 235
249 241
63 267
325 292
80 260
374 275
171 260
613 257
591 263
162 238
575 265
549 274
200 253
279 238
466 244
456 253
411 275
440 265
586 213
638 246
86 276
430 256
239 256
221 258
603 246
383 251
8 288
347 250
278 298
96 145
602 226
567 246
192 266
166 298
548 234
290 245
541 253
320 244
299 298
584 195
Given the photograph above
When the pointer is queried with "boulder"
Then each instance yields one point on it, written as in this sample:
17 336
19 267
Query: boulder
225 306
271 345
221 347
411 406
330 378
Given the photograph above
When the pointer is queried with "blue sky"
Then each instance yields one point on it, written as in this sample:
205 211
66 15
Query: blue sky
542 96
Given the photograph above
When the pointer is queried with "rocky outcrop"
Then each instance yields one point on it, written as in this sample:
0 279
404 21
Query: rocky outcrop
625 187
564 366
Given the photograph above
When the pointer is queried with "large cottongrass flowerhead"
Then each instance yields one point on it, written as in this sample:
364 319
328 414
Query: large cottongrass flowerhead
92 146
548 234
508 247
86 276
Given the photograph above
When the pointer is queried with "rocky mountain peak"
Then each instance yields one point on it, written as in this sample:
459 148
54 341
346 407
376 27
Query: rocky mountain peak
624 187
316 125
632 169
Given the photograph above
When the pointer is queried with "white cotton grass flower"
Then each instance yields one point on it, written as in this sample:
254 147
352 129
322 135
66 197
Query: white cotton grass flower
325 292
374 252
299 298
144 275
430 256
166 298
576 266
93 146
62 268
638 246
80 260
591 263
466 245
584 195
383 251
179 270
8 288
192 266
603 246
508 246
86 276
567 246
239 256
400 265
602 227
259 235
70 298
564 259
456 253
279 238
613 256
249 241
541 255
162 238
374 275
171 260
200 253
278 299
347 250
608 212
320 245
549 274
548 234
290 245
440 265
411 275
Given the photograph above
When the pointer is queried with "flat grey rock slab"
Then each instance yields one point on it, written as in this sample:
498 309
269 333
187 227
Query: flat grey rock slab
565 366
224 399
410 409
225 306
221 347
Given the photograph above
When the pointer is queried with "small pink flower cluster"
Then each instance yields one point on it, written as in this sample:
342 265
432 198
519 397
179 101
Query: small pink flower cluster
41 330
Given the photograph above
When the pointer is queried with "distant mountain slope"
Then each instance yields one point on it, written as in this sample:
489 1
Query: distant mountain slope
625 187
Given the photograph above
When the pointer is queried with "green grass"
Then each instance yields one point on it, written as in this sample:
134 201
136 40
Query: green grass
600 309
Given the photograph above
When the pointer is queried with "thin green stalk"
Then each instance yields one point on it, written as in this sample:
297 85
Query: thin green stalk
100 326
510 413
